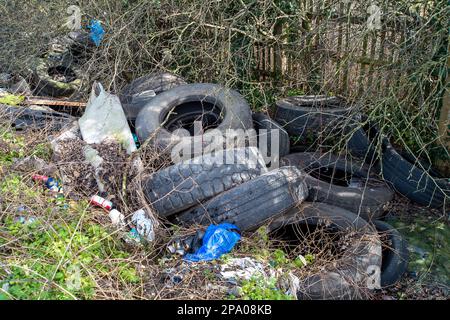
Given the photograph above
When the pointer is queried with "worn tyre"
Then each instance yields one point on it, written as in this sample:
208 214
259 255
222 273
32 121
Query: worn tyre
301 114
46 74
342 183
262 121
252 203
357 266
422 186
363 141
134 95
394 254
32 118
189 183
411 177
215 106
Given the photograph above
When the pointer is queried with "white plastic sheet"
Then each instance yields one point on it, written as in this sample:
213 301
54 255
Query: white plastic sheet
104 120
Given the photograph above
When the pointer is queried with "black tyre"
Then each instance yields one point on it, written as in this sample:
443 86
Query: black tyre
250 204
301 114
409 176
349 275
187 184
134 95
76 46
411 180
363 142
29 118
215 106
342 183
395 253
264 122
55 79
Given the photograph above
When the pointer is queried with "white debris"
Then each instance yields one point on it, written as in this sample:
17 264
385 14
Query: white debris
91 155
117 218
242 269
144 225
105 120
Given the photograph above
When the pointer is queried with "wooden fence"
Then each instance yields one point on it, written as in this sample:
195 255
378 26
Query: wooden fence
339 53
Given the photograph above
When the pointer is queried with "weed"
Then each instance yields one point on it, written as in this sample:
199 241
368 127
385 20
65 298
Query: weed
258 288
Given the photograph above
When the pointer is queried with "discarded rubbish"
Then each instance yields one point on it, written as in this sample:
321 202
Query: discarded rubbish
53 185
218 240
96 32
104 120
50 183
188 244
175 275
22 219
177 247
117 218
101 202
132 237
144 225
25 220
34 117
39 178
242 269
136 140
91 155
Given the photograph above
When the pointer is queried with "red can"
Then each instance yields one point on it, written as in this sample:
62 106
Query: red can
38 177
101 202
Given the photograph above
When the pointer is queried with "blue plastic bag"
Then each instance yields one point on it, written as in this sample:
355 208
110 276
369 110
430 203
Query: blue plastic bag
97 32
218 240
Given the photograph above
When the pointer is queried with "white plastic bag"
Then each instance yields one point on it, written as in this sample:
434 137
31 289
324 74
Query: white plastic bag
104 120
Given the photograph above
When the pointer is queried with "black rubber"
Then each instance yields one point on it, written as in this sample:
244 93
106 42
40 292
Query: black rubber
76 46
367 199
363 141
412 178
250 204
219 107
395 253
131 95
301 114
264 122
360 263
423 187
187 184
27 118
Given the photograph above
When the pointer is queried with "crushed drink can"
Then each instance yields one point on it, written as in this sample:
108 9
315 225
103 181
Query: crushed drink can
39 178
101 202
53 185
50 183
132 237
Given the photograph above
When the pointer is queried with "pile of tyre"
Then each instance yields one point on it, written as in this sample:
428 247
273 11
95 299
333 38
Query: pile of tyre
308 188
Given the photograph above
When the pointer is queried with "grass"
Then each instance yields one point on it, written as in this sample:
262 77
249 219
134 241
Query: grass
64 253
429 245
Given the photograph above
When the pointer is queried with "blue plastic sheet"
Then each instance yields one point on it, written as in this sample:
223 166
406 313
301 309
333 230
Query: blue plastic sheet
97 32
218 240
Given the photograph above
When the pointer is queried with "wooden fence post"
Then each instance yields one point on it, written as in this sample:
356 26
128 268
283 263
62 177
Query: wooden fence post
445 109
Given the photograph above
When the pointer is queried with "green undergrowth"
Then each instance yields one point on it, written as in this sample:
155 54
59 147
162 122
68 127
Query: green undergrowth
58 250
60 256
260 247
429 247
11 99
